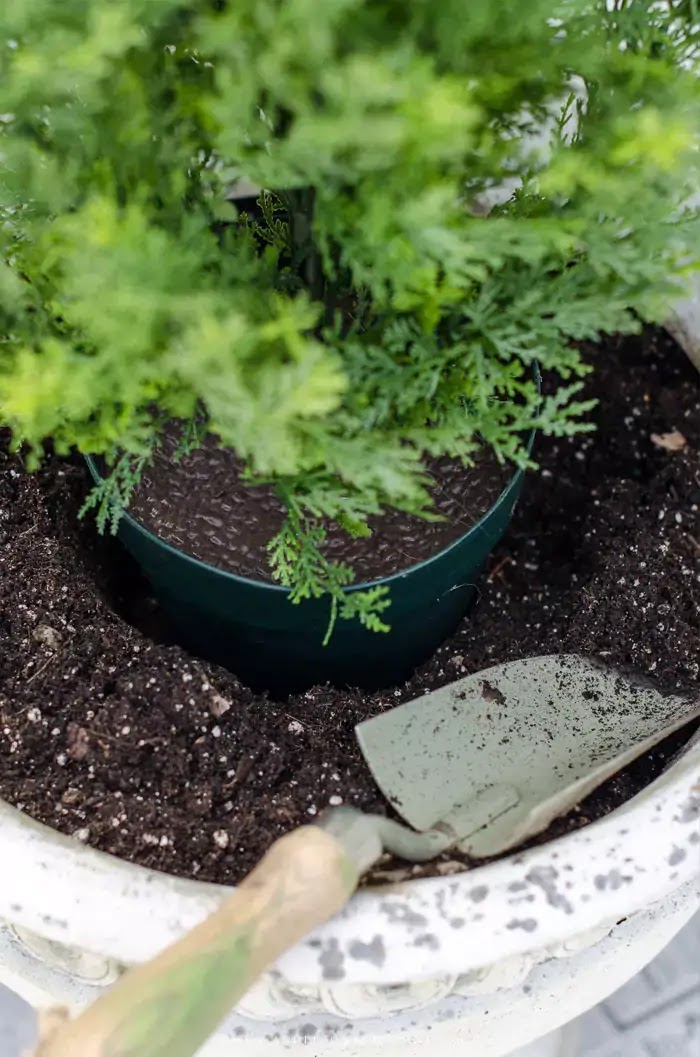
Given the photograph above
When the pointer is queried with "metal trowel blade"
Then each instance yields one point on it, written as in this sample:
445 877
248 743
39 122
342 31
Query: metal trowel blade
495 757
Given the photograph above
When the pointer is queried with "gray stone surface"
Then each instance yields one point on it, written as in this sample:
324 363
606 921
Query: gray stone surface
16 1024
657 1014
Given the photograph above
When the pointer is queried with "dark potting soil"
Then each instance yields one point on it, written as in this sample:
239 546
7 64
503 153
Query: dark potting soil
110 733
201 505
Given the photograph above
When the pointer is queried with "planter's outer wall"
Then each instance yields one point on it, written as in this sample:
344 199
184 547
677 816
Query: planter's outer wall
253 629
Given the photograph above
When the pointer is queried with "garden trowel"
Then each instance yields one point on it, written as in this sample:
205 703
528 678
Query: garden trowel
481 764
490 760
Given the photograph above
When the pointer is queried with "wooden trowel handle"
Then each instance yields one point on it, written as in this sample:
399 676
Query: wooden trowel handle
171 1005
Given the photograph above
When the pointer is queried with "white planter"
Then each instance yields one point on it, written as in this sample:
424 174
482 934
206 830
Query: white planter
684 324
477 963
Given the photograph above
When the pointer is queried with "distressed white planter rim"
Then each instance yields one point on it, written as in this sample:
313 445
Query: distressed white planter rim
64 891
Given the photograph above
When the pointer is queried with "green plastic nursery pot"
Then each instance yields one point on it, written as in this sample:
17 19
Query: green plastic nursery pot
252 628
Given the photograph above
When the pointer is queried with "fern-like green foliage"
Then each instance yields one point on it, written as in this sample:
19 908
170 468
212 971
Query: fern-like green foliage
368 310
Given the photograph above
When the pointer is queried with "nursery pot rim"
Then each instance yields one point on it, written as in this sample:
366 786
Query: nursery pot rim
363 585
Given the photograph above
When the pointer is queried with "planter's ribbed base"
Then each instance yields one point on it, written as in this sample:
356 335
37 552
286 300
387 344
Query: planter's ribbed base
487 1023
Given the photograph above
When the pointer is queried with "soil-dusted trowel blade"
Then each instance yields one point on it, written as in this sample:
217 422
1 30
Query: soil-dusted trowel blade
500 754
